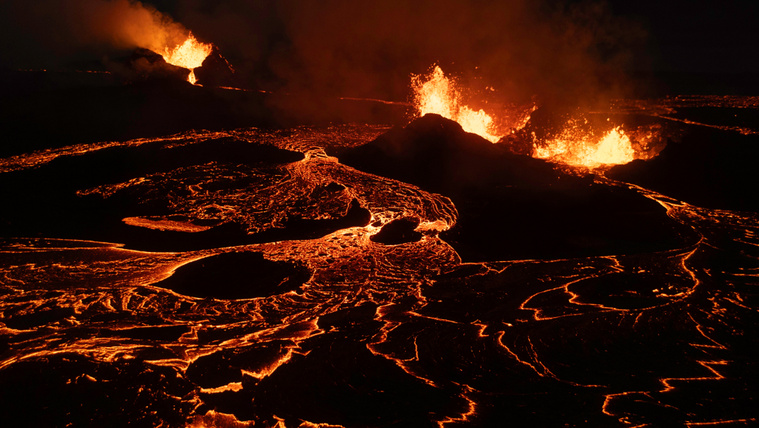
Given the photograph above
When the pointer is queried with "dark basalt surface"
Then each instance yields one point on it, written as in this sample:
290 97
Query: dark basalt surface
48 203
342 382
239 275
437 155
708 167
512 206
112 389
85 113
235 234
43 109
395 332
398 231
144 64
47 200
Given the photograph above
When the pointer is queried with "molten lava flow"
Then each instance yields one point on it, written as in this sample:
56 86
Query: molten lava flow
577 148
437 94
189 54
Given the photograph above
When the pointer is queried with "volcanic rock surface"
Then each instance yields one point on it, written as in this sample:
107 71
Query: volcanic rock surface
144 64
513 206
708 167
282 287
78 208
216 71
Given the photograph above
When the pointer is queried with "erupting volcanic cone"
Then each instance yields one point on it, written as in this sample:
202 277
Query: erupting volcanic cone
510 205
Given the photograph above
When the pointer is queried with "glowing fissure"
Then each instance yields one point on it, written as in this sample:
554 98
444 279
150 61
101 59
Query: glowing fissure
190 54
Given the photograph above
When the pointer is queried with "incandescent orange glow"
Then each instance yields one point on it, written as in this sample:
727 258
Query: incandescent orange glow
576 148
437 94
189 54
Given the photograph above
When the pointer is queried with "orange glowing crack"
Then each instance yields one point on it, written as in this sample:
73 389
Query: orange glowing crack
307 424
382 337
213 419
537 311
164 225
466 415
741 305
544 373
482 327
234 387
574 298
271 368
715 344
399 103
706 364
535 358
738 129
667 382
721 422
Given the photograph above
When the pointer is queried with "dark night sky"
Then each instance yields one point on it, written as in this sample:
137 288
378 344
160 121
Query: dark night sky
698 36
369 49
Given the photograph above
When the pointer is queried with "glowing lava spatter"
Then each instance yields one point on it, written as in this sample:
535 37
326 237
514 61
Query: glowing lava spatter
577 148
436 93
189 54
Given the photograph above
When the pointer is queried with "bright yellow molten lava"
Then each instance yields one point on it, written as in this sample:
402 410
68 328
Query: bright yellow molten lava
436 93
577 149
576 145
189 54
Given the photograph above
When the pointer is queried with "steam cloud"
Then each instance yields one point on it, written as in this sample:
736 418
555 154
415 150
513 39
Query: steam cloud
572 50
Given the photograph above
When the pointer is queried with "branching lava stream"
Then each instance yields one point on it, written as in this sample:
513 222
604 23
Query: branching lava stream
341 325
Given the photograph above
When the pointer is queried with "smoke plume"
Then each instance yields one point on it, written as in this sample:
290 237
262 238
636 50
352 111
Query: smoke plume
560 50
565 51
53 33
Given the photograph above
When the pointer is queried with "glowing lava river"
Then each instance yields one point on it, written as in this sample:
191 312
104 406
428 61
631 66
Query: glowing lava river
362 276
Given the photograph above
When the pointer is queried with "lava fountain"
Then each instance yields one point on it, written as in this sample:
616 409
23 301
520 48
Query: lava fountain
579 148
436 93
574 145
190 54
